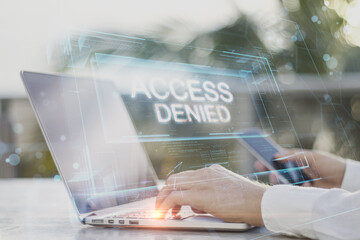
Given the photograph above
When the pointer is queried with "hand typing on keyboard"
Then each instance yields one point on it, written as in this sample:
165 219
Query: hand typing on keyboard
214 190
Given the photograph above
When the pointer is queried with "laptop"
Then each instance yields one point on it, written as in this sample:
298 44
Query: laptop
96 149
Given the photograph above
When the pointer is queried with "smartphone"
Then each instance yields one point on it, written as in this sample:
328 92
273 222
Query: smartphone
264 149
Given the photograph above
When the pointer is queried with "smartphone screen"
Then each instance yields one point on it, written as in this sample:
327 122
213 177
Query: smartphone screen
264 149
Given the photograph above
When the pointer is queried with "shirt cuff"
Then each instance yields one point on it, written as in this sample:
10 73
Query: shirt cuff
351 181
288 209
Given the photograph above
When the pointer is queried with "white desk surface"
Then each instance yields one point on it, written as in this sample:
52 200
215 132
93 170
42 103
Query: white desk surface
41 209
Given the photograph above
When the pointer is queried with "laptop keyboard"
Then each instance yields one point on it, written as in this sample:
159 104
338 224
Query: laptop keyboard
151 214
139 215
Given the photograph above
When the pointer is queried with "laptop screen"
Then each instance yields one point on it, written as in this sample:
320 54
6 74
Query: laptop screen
99 173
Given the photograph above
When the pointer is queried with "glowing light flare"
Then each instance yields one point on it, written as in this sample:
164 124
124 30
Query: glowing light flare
157 214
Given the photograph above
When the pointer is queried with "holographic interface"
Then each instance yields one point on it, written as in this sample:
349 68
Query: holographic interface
185 115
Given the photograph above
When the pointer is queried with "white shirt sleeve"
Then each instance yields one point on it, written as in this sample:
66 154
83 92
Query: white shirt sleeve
351 181
314 212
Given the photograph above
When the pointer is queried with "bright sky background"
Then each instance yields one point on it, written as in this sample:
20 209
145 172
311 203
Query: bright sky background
29 27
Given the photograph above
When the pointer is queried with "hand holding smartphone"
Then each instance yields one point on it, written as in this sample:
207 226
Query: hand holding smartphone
264 149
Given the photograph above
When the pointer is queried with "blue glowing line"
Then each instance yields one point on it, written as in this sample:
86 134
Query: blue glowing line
262 101
237 58
209 164
220 163
245 55
305 181
259 81
266 63
134 44
134 140
163 65
114 34
193 65
178 165
146 136
174 169
286 157
285 170
254 103
226 133
280 170
272 74
170 173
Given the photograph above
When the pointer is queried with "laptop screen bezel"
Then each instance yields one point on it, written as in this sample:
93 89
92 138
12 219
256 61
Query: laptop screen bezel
81 216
